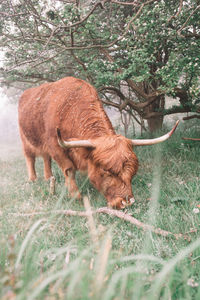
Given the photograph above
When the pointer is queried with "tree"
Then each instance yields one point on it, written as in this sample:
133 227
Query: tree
134 52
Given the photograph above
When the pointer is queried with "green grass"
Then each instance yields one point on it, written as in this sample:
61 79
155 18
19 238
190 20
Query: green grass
53 256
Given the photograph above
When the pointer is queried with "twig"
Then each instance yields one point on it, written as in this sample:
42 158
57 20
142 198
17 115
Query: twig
51 36
110 212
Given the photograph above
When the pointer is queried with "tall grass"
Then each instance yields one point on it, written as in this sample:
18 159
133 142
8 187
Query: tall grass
63 257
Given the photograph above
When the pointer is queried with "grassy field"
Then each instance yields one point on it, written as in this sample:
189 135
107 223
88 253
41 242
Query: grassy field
47 255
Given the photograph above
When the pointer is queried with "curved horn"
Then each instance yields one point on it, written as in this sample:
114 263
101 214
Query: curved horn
156 140
73 144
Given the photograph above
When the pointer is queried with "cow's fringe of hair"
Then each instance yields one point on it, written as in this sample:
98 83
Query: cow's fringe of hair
116 154
114 213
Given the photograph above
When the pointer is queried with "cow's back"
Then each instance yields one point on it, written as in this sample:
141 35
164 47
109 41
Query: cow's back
70 104
77 110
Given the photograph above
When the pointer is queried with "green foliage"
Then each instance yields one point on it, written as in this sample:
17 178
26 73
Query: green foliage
155 45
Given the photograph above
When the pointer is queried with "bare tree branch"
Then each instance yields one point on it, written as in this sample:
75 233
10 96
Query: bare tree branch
12 15
135 3
191 117
100 4
187 20
178 12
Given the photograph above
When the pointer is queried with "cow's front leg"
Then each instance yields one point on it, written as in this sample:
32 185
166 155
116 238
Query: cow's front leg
47 166
68 170
70 183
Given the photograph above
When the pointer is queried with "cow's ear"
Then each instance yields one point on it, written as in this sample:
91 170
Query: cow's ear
74 143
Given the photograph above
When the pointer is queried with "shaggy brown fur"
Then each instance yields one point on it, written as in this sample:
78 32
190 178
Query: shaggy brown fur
73 106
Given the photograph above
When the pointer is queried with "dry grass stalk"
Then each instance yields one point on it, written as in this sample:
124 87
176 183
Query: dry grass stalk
91 222
52 185
102 263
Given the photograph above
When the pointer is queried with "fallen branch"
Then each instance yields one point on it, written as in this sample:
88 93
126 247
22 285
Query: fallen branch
110 212
191 139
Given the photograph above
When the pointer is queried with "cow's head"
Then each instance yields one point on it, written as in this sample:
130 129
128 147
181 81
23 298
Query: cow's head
112 164
111 167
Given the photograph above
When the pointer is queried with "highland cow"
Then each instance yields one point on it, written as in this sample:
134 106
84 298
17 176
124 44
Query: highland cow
65 121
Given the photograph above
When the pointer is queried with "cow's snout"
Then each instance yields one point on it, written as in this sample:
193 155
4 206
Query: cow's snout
121 203
129 201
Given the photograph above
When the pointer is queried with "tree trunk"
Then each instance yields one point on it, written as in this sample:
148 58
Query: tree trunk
155 122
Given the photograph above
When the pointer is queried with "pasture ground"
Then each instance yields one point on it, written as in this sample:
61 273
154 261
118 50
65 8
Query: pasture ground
52 256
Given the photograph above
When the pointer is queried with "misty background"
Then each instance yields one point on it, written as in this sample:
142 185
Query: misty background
10 145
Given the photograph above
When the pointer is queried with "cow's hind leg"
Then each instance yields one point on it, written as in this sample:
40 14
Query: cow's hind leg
47 166
30 162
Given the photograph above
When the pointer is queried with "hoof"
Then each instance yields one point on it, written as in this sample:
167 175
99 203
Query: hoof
76 195
32 179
